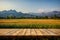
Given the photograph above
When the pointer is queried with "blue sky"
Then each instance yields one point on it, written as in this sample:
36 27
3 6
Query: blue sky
30 5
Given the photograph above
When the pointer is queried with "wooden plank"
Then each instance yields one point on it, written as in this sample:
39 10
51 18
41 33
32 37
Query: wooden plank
44 32
27 32
38 32
11 32
56 31
4 31
16 33
32 32
22 32
49 32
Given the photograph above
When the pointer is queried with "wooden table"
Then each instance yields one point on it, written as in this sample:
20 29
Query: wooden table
29 32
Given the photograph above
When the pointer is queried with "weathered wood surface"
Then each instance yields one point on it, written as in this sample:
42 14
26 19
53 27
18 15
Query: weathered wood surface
29 32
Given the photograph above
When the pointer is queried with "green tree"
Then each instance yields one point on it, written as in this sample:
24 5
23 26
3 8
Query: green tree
9 16
46 17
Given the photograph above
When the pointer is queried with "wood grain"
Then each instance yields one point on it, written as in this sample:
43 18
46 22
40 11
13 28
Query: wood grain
30 32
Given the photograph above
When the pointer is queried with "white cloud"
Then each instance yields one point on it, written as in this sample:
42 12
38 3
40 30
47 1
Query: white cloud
41 10
47 9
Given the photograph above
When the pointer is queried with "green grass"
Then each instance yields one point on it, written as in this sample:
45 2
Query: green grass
30 26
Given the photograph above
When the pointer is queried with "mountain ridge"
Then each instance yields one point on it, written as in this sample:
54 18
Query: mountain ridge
16 14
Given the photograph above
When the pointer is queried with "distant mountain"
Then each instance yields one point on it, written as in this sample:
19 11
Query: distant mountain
16 14
49 14
10 12
53 13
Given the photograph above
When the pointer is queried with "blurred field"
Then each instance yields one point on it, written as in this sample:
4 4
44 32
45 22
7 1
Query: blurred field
38 23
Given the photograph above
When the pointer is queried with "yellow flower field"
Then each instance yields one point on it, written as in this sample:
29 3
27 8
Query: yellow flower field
30 22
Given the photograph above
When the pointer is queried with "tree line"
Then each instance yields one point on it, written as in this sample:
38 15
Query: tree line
36 17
